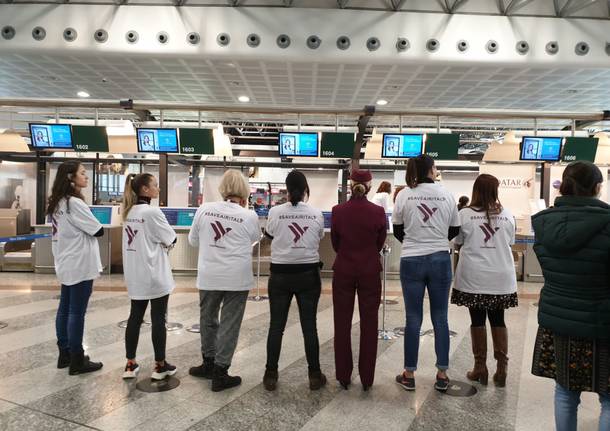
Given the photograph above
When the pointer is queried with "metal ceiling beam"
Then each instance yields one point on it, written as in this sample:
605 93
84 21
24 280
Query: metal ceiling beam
515 5
120 2
288 3
573 6
456 5
501 7
342 3
557 7
179 2
177 106
234 3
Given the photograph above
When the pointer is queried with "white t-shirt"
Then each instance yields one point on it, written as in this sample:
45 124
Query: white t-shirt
224 233
486 261
75 249
383 200
426 212
146 267
296 231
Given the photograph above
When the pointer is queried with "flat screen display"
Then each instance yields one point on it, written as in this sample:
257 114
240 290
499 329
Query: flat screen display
401 146
102 214
541 148
157 140
298 144
51 136
179 216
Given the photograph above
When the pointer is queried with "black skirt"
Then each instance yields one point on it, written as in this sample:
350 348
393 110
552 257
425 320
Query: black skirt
482 301
577 364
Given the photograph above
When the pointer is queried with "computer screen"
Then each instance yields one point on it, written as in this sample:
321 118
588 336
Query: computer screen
401 146
541 148
102 214
298 144
51 136
327 218
182 217
157 140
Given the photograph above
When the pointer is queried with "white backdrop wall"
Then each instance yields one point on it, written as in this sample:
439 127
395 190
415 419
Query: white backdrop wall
24 174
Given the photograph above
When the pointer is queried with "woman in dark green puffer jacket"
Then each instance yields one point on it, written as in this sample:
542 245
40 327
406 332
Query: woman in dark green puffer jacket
573 341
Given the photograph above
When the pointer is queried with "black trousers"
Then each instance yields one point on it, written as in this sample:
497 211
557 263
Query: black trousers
158 313
479 315
306 286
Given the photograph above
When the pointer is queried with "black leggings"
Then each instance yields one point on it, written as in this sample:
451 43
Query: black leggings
158 313
479 315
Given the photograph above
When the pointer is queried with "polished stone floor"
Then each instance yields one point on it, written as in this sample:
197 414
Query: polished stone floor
34 395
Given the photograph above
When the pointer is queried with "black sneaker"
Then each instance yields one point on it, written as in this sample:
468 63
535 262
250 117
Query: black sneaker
131 370
205 370
163 371
407 383
442 384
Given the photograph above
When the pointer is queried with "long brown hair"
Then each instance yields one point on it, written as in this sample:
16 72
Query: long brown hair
133 186
63 186
485 195
384 187
418 169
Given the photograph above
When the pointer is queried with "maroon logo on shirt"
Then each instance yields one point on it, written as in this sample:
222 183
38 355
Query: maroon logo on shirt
488 231
426 211
131 235
219 230
54 225
297 231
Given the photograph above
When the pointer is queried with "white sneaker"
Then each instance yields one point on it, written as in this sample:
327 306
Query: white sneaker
131 370
164 371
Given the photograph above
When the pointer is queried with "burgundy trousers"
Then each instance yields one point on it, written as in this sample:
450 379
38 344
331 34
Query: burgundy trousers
345 287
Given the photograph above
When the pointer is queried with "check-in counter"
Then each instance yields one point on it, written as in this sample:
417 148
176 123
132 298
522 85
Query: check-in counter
109 243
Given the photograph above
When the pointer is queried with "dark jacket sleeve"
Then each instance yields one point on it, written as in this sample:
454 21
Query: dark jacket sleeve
334 233
99 232
399 232
453 232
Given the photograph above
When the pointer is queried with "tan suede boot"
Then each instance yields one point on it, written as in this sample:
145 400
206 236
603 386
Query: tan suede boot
479 373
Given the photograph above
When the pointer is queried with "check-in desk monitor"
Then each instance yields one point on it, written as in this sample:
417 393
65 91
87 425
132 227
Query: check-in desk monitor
542 149
298 144
402 145
51 136
179 217
183 257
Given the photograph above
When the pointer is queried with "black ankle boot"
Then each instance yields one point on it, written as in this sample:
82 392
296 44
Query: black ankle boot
63 360
221 379
316 380
80 364
270 379
205 370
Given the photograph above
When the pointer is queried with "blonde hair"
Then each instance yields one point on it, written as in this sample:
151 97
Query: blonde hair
133 185
234 184
360 189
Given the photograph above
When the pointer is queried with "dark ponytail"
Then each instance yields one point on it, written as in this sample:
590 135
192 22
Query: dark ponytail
297 187
580 179
418 169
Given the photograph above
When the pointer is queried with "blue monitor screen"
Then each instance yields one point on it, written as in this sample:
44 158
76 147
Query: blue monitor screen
157 140
102 214
179 216
298 144
540 148
327 216
51 136
401 146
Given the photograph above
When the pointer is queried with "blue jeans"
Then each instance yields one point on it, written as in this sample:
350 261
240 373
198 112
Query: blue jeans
416 274
70 321
566 409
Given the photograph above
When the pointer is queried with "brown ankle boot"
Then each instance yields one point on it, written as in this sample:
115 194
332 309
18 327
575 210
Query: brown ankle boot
500 339
479 349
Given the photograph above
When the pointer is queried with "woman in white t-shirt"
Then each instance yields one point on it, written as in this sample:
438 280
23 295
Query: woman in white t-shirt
485 279
77 262
425 219
296 230
224 231
147 239
382 197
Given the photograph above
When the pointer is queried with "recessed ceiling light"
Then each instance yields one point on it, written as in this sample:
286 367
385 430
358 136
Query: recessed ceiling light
244 99
382 102
82 94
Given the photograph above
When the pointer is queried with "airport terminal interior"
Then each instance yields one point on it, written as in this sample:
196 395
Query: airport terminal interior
188 89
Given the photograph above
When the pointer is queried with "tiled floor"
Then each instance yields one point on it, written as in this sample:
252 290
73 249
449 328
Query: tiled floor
34 395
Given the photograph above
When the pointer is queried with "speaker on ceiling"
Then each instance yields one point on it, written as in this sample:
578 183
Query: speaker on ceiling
39 33
70 34
402 44
283 41
522 47
343 42
100 35
314 42
253 40
132 36
223 39
8 32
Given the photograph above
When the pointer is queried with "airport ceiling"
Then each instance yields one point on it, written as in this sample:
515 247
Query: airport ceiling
326 84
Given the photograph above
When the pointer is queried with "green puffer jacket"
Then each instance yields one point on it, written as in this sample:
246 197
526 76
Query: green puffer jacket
573 247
